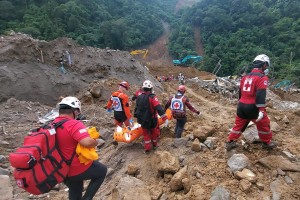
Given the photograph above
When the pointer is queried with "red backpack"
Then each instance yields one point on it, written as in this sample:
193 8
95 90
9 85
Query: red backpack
39 164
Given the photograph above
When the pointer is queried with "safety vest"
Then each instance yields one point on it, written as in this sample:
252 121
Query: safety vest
116 103
177 104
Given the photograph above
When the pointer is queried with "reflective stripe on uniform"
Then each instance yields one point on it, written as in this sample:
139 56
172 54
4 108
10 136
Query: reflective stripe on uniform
260 105
153 140
262 132
236 132
147 142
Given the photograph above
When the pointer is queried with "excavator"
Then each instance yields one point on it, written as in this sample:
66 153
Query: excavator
144 52
187 60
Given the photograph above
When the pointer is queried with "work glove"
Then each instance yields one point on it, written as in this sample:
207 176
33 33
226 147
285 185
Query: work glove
166 123
198 113
260 116
131 121
109 110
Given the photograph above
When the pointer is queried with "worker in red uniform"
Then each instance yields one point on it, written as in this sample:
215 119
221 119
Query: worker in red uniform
147 107
136 94
118 102
252 105
74 132
178 104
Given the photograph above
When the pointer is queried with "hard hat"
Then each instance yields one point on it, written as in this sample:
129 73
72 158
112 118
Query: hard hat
262 58
147 84
181 88
73 102
124 84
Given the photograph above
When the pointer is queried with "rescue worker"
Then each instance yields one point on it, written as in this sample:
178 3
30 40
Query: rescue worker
178 104
74 133
181 79
118 102
136 94
252 105
147 107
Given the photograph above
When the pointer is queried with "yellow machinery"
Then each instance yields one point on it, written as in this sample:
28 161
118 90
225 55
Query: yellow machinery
144 52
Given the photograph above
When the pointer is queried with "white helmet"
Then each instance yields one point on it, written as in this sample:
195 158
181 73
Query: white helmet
72 102
147 84
262 58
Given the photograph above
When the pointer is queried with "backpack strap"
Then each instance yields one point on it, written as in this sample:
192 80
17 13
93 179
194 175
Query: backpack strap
57 125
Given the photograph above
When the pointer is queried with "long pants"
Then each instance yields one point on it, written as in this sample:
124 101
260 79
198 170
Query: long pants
96 173
118 123
180 123
263 128
151 137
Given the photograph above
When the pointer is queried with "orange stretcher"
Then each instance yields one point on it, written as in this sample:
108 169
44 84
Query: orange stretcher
127 136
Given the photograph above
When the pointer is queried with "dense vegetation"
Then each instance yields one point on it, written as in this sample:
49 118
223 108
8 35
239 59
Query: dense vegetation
235 31
232 31
118 24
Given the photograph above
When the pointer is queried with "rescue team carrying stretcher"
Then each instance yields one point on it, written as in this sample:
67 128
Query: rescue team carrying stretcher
150 114
47 156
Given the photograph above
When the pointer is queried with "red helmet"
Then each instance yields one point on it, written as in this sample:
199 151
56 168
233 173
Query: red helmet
181 88
124 84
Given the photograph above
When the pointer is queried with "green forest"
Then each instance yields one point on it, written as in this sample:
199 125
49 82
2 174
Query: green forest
233 32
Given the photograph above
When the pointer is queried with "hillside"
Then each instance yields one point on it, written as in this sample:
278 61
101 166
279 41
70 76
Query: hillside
27 79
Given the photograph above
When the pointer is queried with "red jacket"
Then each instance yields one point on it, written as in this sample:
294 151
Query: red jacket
253 88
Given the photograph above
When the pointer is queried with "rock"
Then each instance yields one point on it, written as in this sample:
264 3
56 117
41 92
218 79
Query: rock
202 132
132 170
156 193
87 98
176 181
180 142
96 90
197 192
6 189
3 171
238 162
246 174
130 188
100 143
186 182
220 193
260 186
288 180
290 156
276 189
280 172
251 134
274 126
167 177
286 120
245 185
274 162
165 162
196 145
210 142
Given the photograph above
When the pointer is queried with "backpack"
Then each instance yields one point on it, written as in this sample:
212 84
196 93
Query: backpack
39 164
143 113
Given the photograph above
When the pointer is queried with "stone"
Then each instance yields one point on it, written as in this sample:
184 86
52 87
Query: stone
132 169
246 174
203 132
165 162
197 192
220 193
176 181
238 162
186 182
6 189
196 145
245 185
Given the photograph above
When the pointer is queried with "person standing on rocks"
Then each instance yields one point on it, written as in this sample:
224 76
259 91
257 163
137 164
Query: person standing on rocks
178 104
119 103
146 110
252 105
74 132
